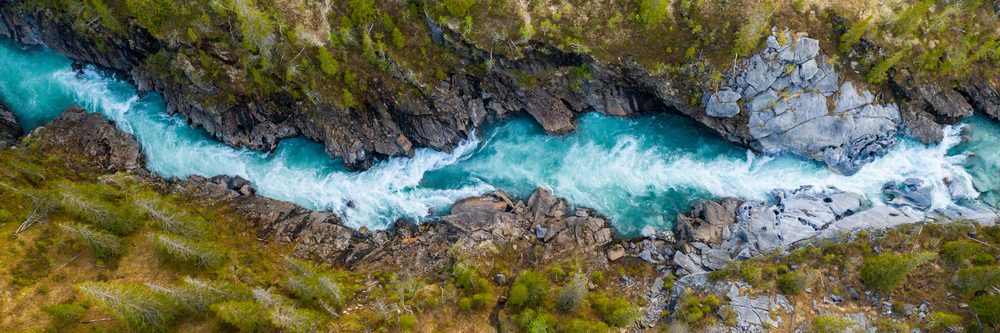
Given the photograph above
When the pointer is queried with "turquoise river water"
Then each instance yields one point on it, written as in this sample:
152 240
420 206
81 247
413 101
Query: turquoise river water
636 171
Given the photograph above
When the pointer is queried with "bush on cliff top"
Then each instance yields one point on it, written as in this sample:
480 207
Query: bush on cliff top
884 272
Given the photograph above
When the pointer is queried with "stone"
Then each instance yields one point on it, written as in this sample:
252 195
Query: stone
912 192
708 221
983 95
723 104
10 131
686 262
500 279
805 49
616 252
808 70
540 232
648 232
920 124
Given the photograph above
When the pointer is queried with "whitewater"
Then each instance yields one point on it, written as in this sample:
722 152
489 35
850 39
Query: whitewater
636 171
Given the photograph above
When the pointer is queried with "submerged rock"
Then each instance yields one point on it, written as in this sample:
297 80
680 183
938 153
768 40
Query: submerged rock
10 131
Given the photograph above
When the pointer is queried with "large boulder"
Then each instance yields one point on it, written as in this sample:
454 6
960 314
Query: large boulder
10 131
947 105
708 222
90 142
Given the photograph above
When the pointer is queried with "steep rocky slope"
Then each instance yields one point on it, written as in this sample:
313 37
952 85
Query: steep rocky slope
10 131
207 76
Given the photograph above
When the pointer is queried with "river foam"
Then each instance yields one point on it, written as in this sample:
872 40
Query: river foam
637 171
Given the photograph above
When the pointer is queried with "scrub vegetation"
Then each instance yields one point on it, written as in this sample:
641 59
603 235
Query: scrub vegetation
93 252
951 266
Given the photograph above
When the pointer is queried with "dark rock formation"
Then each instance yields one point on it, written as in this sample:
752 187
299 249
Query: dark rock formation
10 131
984 96
89 142
475 227
944 103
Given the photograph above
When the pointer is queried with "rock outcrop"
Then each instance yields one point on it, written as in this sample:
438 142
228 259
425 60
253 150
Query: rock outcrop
794 102
10 131
984 96
89 142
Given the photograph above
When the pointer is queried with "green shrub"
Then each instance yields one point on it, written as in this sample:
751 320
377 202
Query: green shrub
793 283
482 300
854 34
577 325
63 315
5 216
185 251
407 322
883 325
247 316
255 25
960 250
987 308
101 207
615 311
105 246
909 18
941 321
884 272
309 283
651 12
831 324
975 279
697 311
296 320
197 296
533 321
327 63
879 73
151 14
135 306
458 8
753 30
468 279
529 290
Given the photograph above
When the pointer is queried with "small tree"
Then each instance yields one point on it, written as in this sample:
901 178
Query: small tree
573 294
182 250
529 290
133 305
105 246
751 32
295 320
854 34
247 316
614 311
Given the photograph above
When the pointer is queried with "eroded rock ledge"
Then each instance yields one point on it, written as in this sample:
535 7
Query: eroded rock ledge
10 130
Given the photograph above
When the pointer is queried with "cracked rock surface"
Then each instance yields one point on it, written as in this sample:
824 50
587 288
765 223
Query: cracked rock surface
797 104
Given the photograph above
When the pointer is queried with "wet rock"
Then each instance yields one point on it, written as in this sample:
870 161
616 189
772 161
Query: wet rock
920 124
90 142
911 192
10 131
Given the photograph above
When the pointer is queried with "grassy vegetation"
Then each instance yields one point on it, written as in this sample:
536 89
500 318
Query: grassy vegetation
113 253
914 264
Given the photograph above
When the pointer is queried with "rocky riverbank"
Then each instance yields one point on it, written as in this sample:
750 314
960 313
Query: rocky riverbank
497 228
786 99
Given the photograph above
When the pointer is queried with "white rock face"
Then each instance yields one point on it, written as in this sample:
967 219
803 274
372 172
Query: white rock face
797 104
